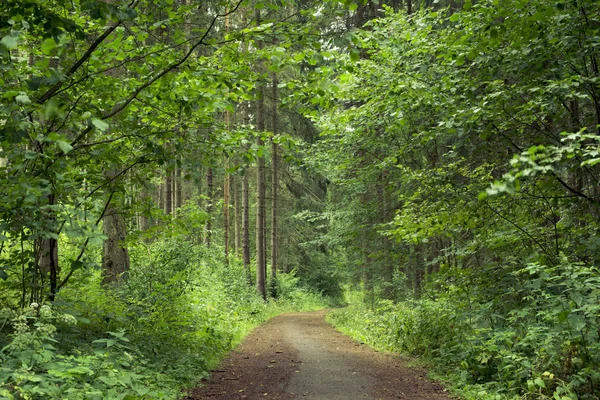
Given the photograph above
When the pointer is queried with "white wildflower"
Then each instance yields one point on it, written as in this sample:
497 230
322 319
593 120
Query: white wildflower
45 311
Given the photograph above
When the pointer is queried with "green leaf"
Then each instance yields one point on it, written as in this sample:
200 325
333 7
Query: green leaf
100 125
577 298
64 146
354 55
3 274
23 99
576 321
48 45
10 42
51 109
10 94
540 382
454 17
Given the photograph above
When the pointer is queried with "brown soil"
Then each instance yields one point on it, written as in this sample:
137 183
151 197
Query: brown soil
299 355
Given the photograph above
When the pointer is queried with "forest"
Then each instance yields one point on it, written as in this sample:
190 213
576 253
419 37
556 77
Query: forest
173 173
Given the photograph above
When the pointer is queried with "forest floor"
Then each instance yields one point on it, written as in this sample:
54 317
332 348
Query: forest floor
300 356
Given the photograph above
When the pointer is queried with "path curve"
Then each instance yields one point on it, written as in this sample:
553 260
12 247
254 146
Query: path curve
300 356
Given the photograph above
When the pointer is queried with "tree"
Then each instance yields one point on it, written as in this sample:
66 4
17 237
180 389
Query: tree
261 264
274 188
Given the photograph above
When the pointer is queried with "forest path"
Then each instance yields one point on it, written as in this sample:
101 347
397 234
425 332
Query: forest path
299 355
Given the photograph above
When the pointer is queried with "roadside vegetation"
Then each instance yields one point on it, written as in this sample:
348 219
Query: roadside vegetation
180 311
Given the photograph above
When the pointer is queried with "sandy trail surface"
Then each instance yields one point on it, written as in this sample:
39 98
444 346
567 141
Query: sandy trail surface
300 356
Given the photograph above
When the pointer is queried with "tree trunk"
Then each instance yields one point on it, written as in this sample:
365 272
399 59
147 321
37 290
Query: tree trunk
246 208
226 200
115 258
418 271
236 216
169 192
245 225
46 254
178 191
260 188
274 187
226 177
209 207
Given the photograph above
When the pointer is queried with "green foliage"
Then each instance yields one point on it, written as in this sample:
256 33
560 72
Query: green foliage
34 367
180 311
536 339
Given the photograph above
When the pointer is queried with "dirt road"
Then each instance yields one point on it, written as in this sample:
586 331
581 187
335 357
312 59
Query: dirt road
300 356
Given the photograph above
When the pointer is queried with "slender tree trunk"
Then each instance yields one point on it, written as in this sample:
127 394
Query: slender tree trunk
169 192
226 201
274 187
209 207
178 190
161 196
46 254
115 259
246 209
246 224
144 223
260 188
418 271
200 202
236 216
226 178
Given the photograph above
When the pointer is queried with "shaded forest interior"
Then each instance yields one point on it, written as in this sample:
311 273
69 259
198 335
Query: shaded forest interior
175 172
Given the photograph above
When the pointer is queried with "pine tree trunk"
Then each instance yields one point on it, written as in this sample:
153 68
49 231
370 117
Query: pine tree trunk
236 216
178 183
274 187
418 271
209 207
169 192
245 225
260 188
226 177
246 207
226 200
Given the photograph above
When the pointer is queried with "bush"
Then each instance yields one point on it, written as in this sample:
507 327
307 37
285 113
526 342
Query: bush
178 313
544 346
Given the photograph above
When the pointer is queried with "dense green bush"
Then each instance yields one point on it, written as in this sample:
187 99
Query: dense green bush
179 311
537 339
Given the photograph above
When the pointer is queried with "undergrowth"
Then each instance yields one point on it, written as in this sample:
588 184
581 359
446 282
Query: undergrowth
537 339
178 313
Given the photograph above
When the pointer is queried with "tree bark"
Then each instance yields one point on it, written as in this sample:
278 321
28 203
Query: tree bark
226 201
260 188
168 192
236 216
246 210
178 183
274 187
115 259
418 271
226 177
209 207
46 254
